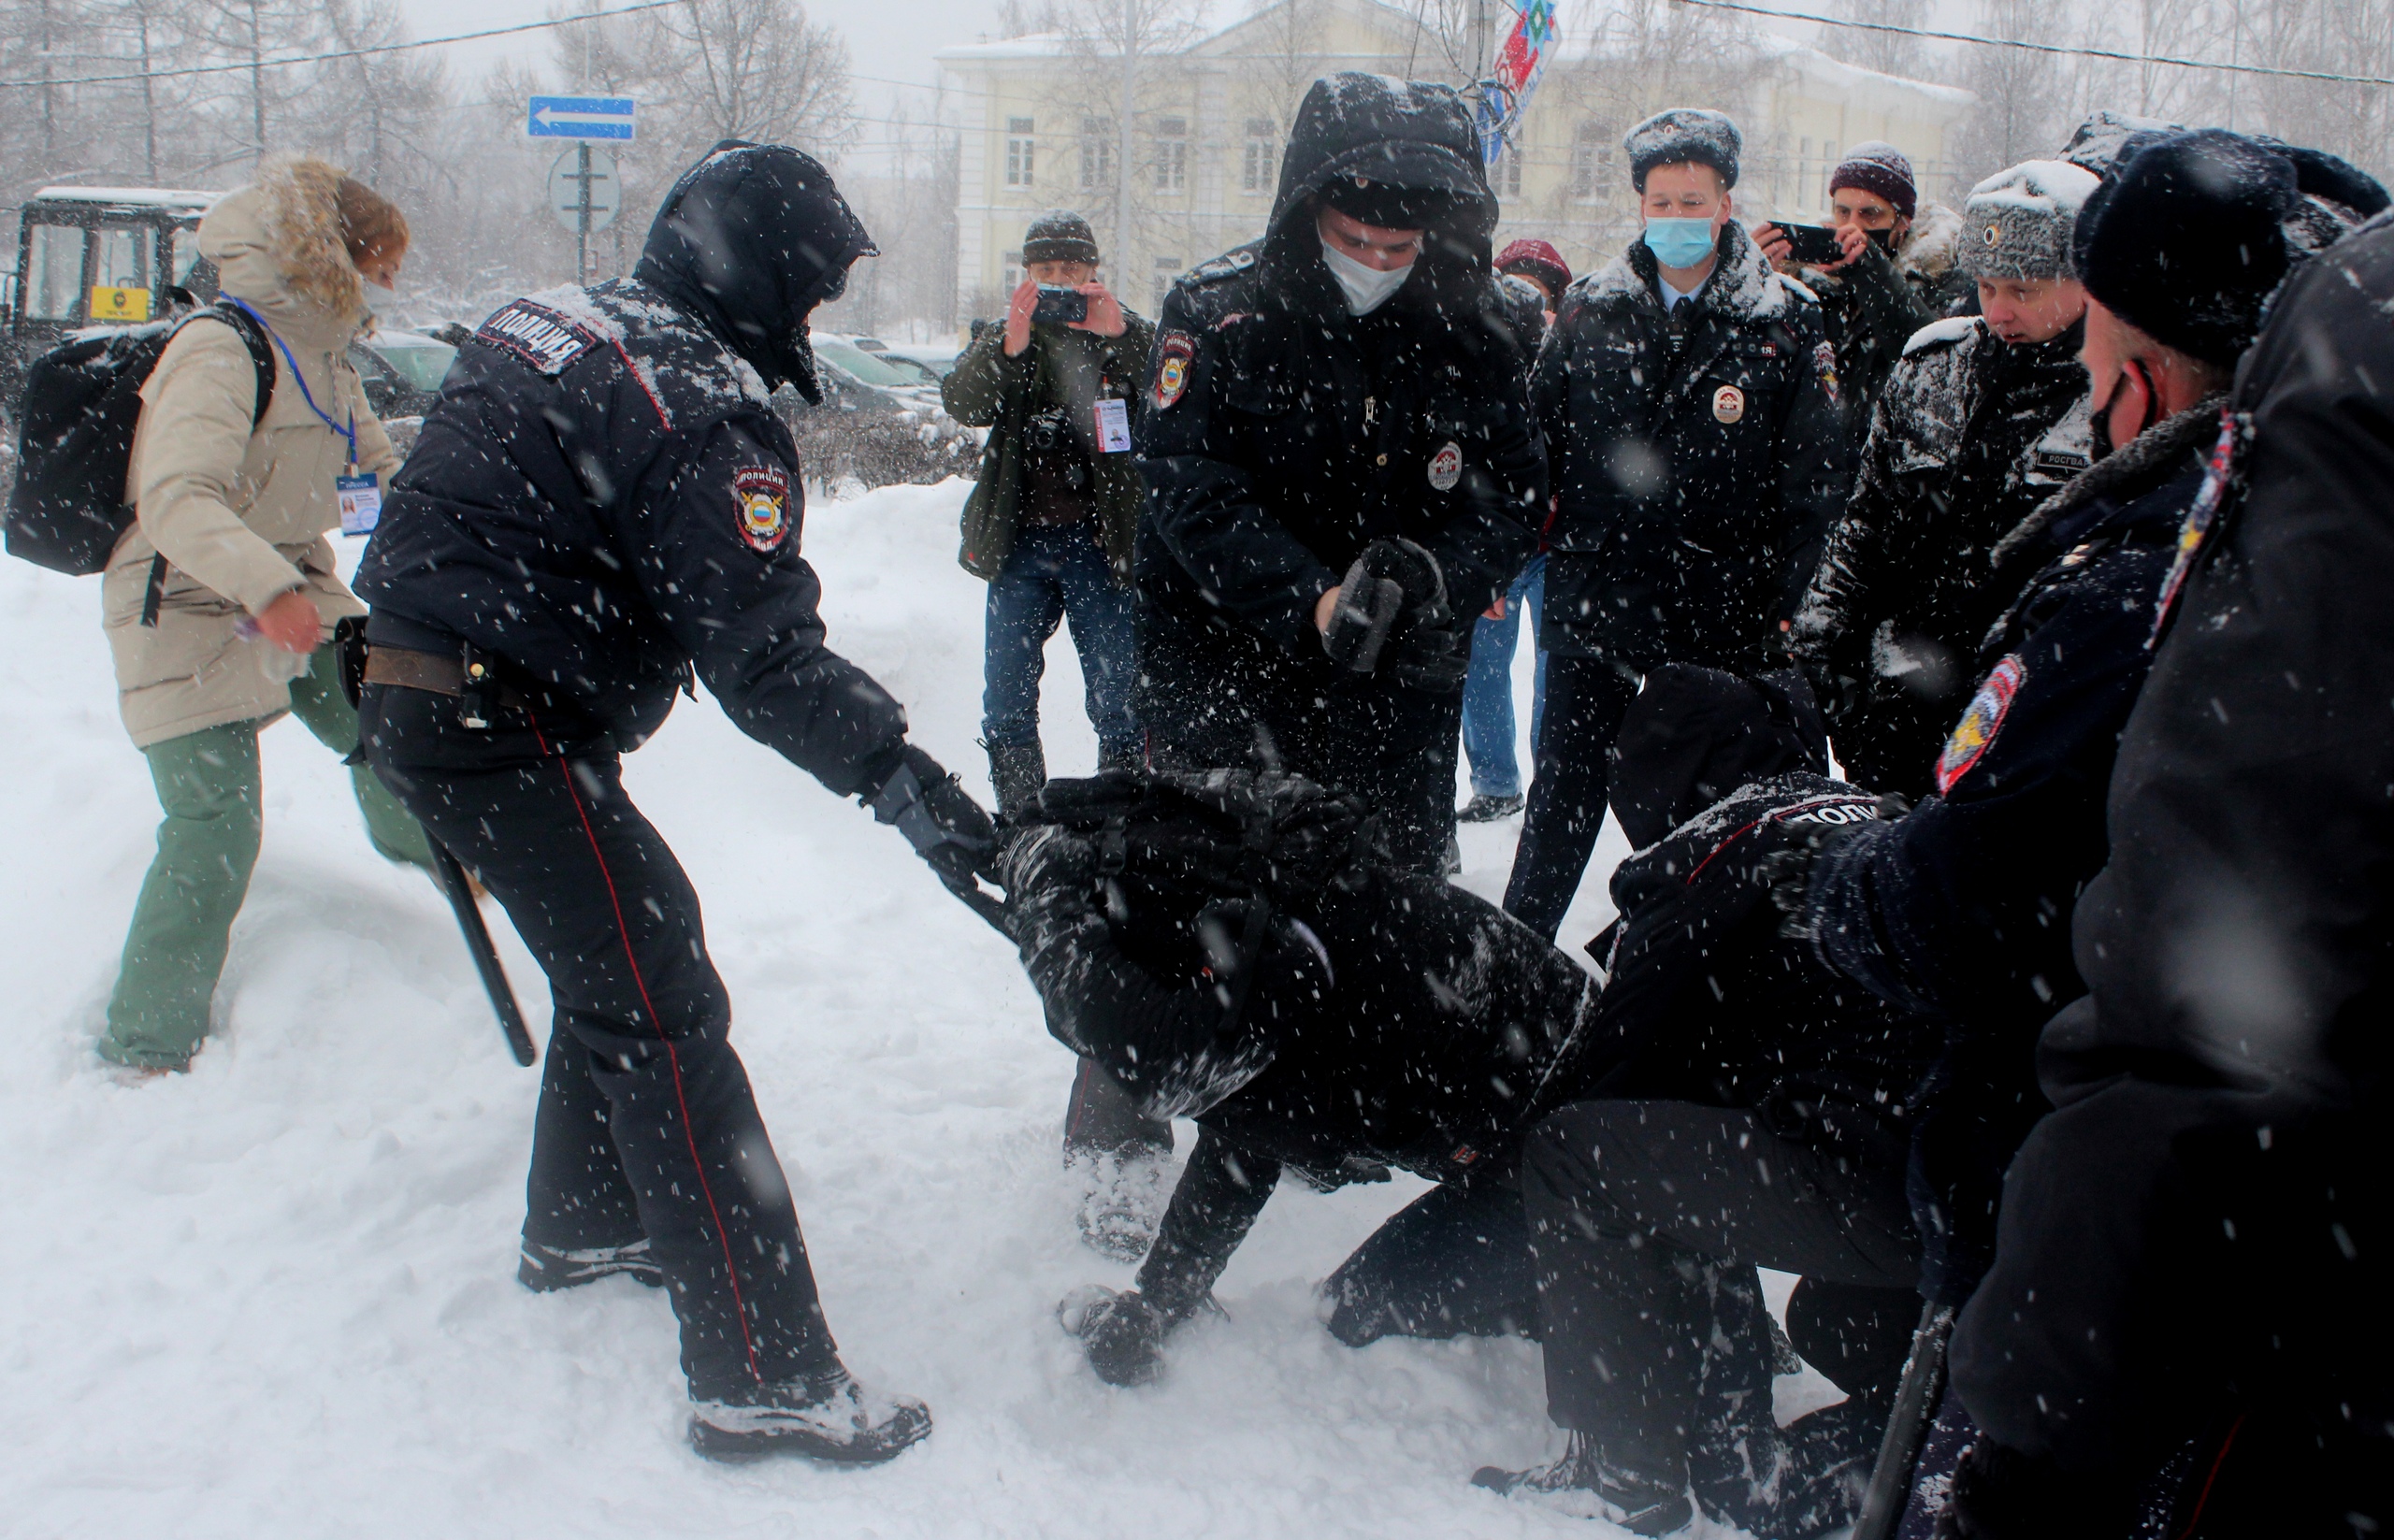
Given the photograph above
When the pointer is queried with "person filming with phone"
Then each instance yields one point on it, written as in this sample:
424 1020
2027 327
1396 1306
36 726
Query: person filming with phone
1049 523
1884 268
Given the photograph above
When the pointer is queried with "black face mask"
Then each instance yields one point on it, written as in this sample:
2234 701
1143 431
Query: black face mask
1884 239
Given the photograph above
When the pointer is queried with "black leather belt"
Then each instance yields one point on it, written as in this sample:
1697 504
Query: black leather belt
437 673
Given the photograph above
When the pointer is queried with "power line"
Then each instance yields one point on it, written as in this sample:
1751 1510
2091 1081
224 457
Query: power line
345 52
2119 55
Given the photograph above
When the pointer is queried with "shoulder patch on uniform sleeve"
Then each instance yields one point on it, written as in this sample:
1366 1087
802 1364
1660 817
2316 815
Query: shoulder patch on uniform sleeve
1824 365
537 335
1981 721
1173 352
1941 334
761 500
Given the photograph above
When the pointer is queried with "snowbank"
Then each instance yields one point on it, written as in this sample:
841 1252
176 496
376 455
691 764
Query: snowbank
276 1297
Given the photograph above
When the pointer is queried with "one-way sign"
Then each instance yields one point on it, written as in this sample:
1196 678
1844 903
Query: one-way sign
581 118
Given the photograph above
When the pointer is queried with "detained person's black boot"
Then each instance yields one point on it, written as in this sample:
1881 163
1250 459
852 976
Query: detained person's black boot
1582 1485
544 1268
829 1417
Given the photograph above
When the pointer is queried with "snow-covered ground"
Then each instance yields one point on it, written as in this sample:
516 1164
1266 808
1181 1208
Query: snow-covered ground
276 1297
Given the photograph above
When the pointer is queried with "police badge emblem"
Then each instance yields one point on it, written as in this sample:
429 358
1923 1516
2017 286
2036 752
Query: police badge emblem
1728 405
1981 721
760 497
1446 467
1174 351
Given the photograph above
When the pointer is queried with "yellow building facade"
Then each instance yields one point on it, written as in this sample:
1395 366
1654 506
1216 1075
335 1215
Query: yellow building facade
1043 119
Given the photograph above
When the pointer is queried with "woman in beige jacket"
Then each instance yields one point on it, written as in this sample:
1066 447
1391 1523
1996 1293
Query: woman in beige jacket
220 597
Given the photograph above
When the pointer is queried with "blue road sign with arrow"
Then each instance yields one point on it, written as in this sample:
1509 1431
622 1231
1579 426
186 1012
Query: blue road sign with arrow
581 118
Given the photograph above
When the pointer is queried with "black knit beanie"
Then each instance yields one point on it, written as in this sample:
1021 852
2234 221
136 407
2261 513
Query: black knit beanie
1059 237
2187 242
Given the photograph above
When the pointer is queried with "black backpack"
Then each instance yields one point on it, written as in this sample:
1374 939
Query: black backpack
82 403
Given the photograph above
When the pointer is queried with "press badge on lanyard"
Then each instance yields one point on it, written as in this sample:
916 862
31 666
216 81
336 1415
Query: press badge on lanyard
360 496
1113 426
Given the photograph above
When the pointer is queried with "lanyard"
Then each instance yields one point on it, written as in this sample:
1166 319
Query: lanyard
350 432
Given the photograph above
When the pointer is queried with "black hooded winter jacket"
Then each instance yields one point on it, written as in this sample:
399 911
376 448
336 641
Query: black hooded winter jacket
1284 435
604 502
1697 459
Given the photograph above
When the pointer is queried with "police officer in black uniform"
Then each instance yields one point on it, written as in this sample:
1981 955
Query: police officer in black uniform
1341 471
1341 467
602 506
1688 396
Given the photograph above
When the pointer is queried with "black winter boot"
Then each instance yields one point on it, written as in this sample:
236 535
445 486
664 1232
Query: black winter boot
1122 1333
829 1417
1018 770
1582 1485
543 1269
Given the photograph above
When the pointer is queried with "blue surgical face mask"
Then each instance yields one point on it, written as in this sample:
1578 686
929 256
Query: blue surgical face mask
1680 242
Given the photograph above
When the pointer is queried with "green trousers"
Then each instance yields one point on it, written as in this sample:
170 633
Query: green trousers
209 783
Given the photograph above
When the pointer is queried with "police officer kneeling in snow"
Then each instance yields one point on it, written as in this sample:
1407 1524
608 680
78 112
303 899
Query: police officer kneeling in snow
602 504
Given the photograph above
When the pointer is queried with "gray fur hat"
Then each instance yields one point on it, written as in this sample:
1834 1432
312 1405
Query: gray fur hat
1679 135
2017 223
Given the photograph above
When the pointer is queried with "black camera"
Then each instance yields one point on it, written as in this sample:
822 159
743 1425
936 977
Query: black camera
1059 304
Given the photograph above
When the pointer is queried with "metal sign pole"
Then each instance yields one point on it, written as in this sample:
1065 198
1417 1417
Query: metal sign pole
582 235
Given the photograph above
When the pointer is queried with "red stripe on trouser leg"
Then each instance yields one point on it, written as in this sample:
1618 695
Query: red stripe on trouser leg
673 1060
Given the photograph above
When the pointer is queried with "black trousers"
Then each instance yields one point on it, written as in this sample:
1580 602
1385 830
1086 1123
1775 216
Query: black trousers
646 1123
1586 698
1454 1263
1646 1222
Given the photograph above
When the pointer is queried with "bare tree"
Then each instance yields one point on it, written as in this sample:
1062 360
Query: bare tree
254 34
1888 52
748 69
2024 98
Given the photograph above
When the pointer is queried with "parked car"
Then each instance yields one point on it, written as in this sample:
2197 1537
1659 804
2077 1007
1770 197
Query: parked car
880 423
401 371
937 361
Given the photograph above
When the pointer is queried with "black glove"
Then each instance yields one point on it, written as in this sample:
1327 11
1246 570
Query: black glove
1436 659
1122 1334
947 828
2002 1495
1393 585
1787 872
1049 874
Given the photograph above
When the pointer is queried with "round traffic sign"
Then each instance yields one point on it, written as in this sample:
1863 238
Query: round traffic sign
566 190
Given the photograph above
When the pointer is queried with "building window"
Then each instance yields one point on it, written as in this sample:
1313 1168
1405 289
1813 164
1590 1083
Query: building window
1172 154
1508 172
1010 274
1591 161
1097 154
1255 167
1167 270
1018 146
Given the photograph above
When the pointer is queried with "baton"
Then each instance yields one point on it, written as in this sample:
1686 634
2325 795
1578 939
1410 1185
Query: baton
453 886
1916 1399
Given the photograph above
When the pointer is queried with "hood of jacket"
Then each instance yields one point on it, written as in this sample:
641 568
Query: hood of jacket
1928 248
277 246
1410 134
749 241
